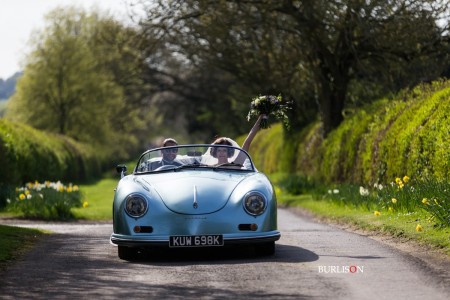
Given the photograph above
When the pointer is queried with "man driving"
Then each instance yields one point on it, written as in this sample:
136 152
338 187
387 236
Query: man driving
167 155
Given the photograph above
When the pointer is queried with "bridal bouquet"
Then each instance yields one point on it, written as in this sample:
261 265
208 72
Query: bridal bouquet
270 106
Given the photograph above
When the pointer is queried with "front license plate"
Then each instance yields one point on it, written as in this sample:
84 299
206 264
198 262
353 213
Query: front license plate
195 240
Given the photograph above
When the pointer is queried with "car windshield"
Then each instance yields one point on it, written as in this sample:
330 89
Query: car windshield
194 156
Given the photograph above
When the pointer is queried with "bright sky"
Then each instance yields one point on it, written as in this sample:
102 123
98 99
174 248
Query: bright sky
18 18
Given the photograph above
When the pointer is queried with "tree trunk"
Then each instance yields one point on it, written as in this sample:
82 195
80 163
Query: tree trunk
332 95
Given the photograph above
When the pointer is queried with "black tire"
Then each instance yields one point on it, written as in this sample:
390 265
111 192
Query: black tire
265 249
127 253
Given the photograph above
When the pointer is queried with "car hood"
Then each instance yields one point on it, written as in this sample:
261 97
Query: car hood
194 192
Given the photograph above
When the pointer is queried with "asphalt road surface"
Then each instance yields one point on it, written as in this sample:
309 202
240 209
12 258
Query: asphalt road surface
312 261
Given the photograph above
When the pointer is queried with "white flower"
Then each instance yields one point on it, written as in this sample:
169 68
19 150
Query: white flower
335 191
378 186
363 191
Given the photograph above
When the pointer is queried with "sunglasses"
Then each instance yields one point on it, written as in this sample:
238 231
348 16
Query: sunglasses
174 150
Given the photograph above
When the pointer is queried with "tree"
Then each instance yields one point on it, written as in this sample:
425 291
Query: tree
329 47
79 81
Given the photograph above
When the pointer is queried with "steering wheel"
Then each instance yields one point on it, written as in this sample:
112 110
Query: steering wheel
165 167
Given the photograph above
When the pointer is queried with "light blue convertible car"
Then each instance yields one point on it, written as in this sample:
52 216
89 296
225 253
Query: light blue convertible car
181 196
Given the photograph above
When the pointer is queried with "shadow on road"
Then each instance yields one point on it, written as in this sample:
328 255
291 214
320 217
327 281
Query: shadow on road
226 255
70 266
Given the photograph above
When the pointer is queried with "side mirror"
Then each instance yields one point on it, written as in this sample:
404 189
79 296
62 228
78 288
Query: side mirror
122 170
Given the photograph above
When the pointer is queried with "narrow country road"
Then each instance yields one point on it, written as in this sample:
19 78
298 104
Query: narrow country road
312 261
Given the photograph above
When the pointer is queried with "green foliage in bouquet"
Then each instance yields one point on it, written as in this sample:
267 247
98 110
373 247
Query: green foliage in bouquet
270 106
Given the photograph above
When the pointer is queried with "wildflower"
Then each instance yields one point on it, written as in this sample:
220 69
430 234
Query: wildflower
419 228
376 213
277 190
405 179
378 186
394 200
22 196
399 182
363 191
425 201
85 204
335 191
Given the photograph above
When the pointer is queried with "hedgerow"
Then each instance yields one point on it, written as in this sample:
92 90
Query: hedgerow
407 135
28 154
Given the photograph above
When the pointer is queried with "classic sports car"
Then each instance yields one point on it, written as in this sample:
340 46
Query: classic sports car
181 196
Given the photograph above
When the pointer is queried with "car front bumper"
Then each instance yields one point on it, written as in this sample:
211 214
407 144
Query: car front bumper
163 241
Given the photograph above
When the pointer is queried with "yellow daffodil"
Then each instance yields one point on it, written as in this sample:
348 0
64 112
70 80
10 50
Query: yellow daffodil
85 204
394 200
22 196
425 201
27 192
419 228
69 189
405 179
376 213
398 180
75 188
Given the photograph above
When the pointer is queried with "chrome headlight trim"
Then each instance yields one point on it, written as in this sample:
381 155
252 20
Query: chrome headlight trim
254 203
136 205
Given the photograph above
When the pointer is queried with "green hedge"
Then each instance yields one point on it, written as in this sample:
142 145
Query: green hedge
28 154
408 135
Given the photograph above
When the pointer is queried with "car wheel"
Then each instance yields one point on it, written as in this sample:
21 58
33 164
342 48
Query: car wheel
265 248
127 253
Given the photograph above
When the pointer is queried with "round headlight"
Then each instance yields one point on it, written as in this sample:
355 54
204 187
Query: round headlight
136 205
254 203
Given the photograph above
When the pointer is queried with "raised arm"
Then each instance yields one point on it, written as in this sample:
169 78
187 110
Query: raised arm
252 133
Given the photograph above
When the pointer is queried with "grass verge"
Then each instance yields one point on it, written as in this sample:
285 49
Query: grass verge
400 225
99 197
16 241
